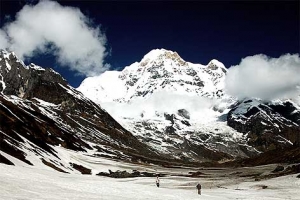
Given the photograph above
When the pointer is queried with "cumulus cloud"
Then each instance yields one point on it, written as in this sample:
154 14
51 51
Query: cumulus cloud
199 108
266 78
3 39
64 31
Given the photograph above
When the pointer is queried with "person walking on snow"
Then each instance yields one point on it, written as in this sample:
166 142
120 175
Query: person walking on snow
199 188
157 181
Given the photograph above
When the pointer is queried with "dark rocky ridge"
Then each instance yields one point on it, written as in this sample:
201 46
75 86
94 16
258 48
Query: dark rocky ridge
37 105
289 155
26 81
269 126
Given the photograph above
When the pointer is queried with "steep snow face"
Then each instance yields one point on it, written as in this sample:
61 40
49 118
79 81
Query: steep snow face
105 88
159 71
177 107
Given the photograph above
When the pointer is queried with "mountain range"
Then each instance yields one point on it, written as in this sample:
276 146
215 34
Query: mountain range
161 110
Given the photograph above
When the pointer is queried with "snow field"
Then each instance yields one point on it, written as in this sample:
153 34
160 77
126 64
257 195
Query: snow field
26 182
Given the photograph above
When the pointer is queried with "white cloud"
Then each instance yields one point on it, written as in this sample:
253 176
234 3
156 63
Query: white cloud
48 26
200 108
266 78
3 39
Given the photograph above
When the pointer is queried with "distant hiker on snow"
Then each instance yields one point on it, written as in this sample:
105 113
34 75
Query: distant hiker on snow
157 181
199 188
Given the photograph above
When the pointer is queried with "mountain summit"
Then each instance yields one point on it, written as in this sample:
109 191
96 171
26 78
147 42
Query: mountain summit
159 71
162 54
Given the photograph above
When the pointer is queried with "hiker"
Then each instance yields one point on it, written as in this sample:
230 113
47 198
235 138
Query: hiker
157 181
199 188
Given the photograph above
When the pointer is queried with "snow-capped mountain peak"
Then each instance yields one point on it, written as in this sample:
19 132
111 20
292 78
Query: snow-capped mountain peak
7 57
159 70
154 54
157 55
215 64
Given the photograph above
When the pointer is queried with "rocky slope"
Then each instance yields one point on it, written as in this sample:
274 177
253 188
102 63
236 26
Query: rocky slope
40 112
269 125
181 109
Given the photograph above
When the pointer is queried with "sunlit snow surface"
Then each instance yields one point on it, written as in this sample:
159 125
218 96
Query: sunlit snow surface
41 182
27 183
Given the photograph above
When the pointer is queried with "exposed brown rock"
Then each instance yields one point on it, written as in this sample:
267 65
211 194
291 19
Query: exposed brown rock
81 168
52 166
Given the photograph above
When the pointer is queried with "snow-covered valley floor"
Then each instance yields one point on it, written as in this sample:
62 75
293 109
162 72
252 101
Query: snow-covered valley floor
27 182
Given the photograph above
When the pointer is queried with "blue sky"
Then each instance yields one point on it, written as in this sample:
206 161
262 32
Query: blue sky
198 31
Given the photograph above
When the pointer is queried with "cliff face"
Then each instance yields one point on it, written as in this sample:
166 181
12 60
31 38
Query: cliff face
268 125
